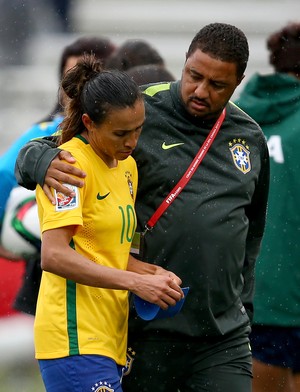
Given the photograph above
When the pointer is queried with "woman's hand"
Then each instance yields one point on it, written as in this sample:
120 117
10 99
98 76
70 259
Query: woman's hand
155 284
161 290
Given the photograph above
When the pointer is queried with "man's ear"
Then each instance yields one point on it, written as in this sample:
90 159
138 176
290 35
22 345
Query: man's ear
87 122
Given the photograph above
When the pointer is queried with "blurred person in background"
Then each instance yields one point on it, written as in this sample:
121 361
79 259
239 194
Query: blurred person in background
150 73
273 100
141 61
134 52
101 47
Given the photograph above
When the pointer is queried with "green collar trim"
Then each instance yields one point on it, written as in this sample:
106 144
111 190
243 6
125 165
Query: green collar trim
82 139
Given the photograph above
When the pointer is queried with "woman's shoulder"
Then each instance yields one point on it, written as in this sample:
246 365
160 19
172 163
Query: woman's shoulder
129 163
80 150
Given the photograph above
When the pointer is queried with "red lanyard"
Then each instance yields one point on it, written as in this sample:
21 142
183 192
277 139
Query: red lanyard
188 174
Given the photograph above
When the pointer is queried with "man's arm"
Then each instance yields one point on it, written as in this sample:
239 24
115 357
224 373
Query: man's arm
33 161
256 213
40 162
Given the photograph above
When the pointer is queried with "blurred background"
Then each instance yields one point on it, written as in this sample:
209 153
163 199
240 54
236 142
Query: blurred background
33 33
32 36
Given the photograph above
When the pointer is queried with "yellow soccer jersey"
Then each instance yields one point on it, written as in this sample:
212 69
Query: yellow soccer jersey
77 319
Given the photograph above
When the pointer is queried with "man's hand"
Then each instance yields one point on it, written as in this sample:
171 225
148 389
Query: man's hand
61 172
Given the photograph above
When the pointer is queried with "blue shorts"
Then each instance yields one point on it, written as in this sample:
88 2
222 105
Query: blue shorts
278 346
81 373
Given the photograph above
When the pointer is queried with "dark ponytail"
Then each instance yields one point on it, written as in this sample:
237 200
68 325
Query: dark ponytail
73 84
96 92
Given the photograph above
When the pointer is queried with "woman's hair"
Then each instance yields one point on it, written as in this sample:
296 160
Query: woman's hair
94 91
284 47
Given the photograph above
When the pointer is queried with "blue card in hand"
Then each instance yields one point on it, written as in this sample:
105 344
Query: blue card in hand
148 311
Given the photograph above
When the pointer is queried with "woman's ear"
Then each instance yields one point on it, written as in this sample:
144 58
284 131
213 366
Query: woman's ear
87 122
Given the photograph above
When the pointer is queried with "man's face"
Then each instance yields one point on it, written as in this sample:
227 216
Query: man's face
207 84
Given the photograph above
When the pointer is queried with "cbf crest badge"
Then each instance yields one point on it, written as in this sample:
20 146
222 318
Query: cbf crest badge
240 154
129 361
102 387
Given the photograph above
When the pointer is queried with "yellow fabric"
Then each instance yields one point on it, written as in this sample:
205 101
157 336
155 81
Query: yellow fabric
73 318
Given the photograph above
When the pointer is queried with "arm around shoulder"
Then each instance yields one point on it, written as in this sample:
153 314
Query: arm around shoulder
33 161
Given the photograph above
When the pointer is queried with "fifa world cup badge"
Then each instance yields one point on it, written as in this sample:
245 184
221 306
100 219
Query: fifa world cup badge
64 202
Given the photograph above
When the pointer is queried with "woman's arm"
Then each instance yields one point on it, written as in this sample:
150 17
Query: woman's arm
60 259
141 267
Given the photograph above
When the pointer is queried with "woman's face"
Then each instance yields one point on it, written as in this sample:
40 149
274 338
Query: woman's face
116 138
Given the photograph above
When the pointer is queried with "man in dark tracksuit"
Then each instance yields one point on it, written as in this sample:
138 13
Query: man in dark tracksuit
210 235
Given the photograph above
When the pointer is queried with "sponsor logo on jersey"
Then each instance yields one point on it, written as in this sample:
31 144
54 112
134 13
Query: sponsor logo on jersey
240 154
101 197
64 202
128 175
165 146
102 387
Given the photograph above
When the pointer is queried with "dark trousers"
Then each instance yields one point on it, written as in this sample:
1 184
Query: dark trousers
166 363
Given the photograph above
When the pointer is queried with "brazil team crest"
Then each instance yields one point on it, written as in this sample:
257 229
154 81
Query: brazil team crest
102 387
240 154
129 360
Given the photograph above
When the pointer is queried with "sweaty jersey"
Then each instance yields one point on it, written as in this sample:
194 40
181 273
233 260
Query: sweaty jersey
73 318
210 235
